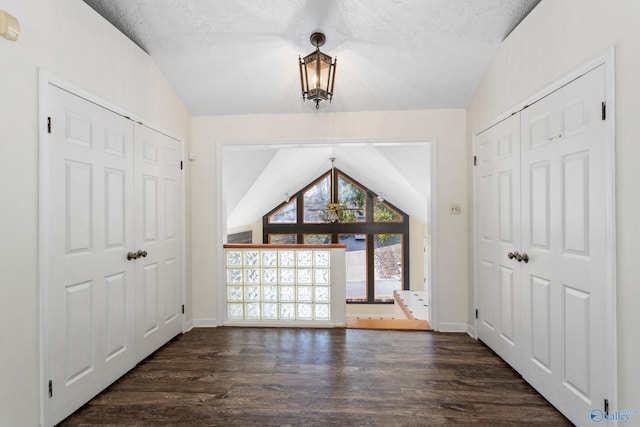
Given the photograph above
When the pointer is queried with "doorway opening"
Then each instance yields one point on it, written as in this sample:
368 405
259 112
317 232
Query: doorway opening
255 178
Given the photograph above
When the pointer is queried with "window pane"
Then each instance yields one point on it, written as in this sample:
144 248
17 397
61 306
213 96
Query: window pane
316 200
387 259
382 212
353 199
356 260
316 239
286 214
282 239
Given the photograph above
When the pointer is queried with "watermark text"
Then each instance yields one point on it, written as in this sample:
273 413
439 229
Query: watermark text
598 415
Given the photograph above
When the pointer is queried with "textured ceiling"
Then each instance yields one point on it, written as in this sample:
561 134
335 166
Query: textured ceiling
240 56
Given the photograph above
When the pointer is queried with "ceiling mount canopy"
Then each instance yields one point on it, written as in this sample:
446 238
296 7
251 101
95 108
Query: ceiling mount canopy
317 39
317 73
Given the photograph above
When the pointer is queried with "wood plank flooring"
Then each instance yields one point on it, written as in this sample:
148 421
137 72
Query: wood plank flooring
319 377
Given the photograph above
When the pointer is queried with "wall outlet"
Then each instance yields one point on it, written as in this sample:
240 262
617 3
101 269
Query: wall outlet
454 209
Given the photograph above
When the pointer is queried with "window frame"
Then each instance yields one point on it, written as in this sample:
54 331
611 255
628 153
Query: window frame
369 228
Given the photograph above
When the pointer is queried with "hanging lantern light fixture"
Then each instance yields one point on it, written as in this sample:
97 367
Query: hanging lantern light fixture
317 73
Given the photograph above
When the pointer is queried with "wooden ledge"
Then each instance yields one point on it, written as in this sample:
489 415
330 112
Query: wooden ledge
389 324
243 246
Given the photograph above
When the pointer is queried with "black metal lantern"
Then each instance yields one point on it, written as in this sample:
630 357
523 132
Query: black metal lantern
317 73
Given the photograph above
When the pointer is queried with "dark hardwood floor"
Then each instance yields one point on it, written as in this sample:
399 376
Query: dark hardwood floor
319 377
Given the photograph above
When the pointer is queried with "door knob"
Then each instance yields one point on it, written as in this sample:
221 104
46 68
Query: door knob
512 255
132 255
523 257
142 254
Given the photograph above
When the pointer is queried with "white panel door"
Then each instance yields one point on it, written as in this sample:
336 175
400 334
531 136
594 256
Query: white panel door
563 234
90 283
497 235
158 289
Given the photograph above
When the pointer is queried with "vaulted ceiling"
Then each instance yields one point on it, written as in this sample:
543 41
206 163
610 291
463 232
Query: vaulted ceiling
259 178
241 57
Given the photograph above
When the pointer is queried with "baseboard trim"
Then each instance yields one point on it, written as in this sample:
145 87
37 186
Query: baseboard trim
453 327
472 332
442 327
205 323
188 326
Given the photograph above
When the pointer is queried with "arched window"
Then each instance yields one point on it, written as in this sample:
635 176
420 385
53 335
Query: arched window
376 233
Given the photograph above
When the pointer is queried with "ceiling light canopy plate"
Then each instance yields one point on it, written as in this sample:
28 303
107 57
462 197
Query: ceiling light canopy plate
317 39
317 73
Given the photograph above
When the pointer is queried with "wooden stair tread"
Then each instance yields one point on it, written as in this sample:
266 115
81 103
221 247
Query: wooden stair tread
392 324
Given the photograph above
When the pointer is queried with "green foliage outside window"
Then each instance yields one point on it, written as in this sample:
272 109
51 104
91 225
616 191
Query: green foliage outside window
382 213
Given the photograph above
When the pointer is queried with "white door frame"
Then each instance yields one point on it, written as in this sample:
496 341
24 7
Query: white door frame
606 58
47 79
221 226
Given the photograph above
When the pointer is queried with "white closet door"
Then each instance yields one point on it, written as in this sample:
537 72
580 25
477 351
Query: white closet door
90 284
563 222
158 274
497 235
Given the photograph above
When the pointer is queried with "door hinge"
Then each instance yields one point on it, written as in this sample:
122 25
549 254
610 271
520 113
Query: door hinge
180 164
606 407
604 110
475 160
50 388
48 124
476 313
182 308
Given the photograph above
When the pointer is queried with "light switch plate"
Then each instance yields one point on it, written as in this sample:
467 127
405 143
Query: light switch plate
454 209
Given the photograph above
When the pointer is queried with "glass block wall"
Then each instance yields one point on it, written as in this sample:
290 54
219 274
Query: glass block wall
265 284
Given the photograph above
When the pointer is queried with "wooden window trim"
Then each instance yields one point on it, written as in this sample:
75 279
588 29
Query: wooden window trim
368 228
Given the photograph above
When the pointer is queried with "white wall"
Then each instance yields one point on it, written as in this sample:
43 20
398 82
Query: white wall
557 37
447 127
70 40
